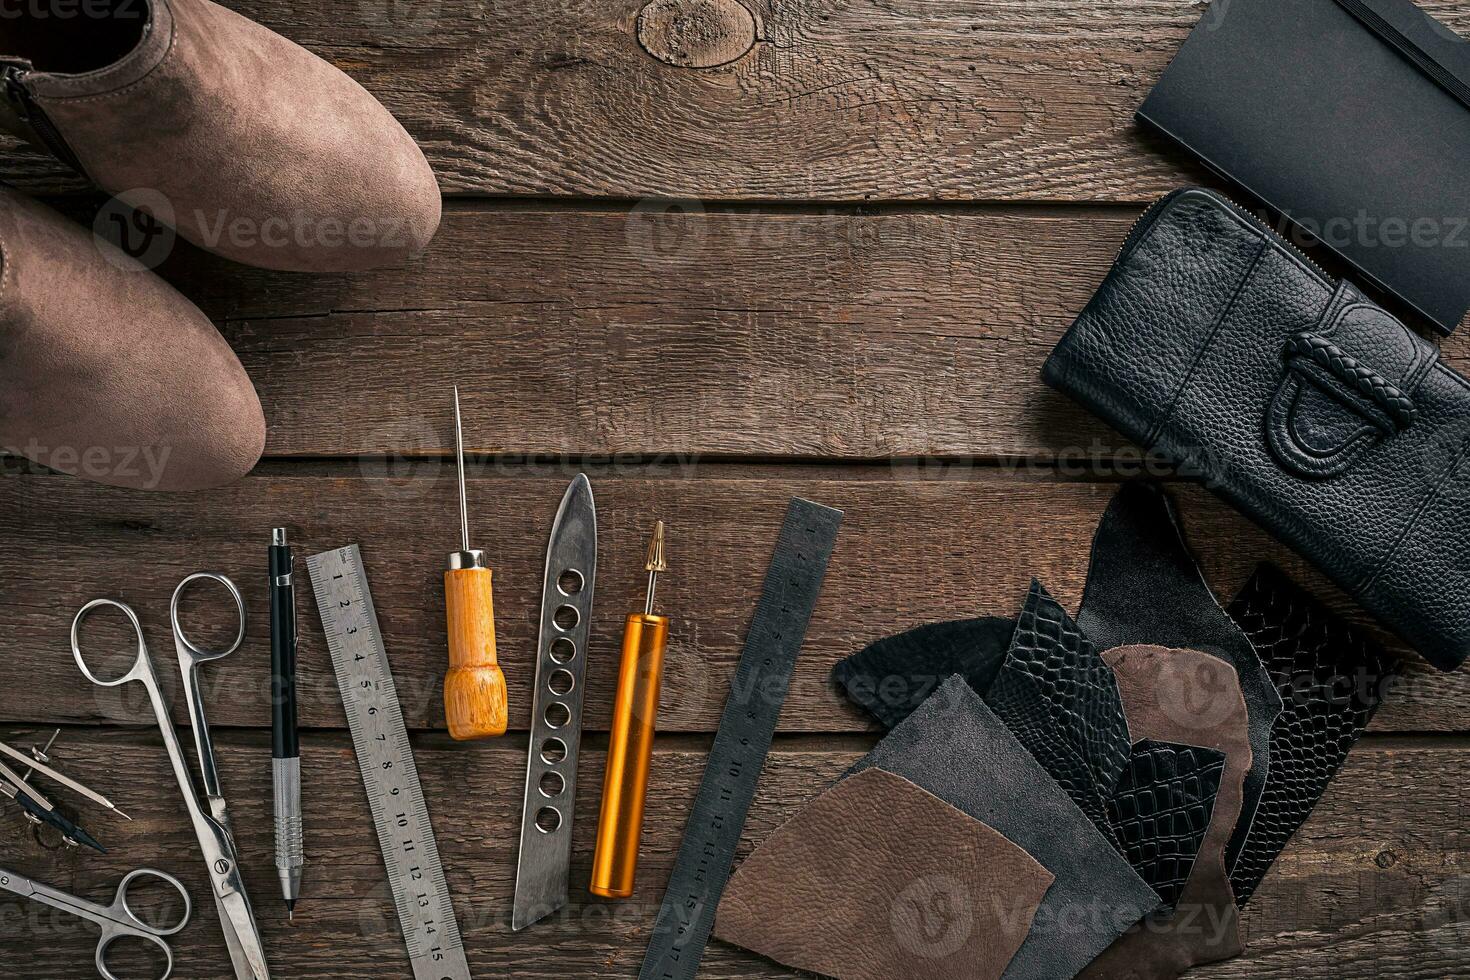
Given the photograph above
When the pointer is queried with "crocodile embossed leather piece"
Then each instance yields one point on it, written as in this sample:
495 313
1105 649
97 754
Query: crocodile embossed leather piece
892 676
1139 551
936 893
1191 697
1061 700
1161 811
1353 448
1332 679
955 747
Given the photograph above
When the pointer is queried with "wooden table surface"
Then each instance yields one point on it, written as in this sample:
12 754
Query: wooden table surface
820 248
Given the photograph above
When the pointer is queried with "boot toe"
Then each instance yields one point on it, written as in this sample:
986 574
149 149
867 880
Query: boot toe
249 145
107 372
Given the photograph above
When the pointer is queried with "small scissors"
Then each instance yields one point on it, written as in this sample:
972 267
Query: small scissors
216 840
118 920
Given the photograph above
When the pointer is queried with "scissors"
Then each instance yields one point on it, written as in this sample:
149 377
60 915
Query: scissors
118 920
216 839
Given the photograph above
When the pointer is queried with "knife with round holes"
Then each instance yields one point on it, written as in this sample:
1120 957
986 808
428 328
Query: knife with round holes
793 582
556 712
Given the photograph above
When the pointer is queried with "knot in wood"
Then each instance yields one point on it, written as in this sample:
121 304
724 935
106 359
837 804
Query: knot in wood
696 33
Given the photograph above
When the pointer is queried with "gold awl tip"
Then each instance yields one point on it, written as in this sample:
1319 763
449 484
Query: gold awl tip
656 562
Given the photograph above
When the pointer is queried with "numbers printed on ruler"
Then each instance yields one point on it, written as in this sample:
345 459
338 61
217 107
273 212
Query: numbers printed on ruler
385 758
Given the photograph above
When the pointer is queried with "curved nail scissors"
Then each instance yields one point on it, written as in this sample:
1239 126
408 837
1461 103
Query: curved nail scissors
216 839
117 921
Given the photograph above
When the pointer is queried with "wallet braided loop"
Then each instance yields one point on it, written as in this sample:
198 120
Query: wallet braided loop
1357 377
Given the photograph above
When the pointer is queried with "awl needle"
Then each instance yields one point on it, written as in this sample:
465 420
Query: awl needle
464 509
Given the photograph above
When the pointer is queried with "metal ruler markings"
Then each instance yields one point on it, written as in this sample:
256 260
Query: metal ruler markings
793 582
385 757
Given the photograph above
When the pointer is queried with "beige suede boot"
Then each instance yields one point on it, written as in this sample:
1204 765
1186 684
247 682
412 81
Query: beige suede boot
106 371
249 145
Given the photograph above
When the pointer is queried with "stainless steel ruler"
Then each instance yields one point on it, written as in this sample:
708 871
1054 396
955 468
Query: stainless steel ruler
389 776
793 581
556 713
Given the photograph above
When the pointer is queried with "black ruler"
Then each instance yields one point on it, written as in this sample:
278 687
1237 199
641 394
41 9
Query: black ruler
762 679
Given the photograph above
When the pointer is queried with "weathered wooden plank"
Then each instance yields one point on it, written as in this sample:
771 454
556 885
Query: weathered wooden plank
914 100
926 99
636 333
1372 886
914 548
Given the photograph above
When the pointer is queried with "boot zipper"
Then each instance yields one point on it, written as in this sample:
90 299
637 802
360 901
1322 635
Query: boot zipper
35 117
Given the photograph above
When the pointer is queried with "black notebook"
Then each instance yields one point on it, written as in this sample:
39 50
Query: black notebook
1349 117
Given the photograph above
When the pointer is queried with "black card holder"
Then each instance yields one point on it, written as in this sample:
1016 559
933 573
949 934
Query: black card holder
1317 413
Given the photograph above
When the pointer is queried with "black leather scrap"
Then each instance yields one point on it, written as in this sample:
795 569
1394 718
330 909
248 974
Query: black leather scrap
1332 679
1161 811
1061 700
1144 587
893 676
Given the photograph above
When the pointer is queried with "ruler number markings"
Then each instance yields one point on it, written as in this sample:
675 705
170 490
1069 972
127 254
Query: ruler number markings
385 759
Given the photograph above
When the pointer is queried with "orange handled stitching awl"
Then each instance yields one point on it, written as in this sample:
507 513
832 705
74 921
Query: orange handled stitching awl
630 748
474 688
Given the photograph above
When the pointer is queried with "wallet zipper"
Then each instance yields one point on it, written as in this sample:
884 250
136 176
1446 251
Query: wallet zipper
31 113
1145 222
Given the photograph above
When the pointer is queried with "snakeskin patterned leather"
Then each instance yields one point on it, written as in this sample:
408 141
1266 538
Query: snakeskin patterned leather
1061 701
1139 550
1331 678
1161 811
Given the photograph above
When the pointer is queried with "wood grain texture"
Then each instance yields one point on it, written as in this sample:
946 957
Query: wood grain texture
682 335
925 99
636 333
837 100
1375 877
912 550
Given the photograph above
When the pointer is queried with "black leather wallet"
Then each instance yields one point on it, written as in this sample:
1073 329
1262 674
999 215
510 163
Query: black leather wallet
1216 344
